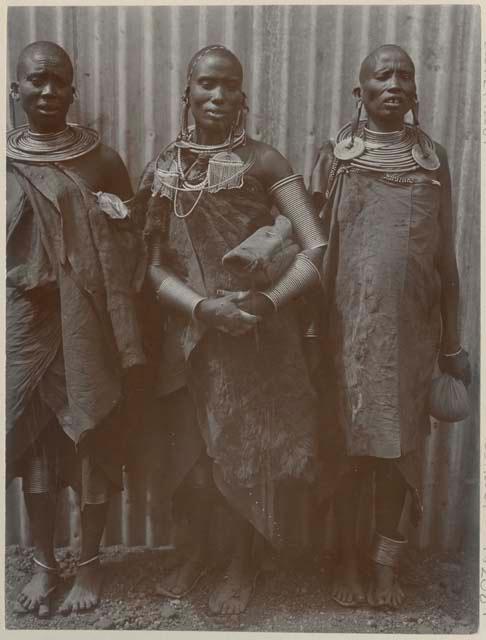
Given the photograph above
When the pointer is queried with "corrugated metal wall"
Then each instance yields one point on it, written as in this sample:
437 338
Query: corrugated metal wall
300 63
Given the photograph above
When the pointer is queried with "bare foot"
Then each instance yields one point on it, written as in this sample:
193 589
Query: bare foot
232 594
181 579
384 590
85 592
35 595
347 589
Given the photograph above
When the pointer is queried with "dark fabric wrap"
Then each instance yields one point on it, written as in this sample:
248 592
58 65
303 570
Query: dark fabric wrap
254 401
382 290
72 279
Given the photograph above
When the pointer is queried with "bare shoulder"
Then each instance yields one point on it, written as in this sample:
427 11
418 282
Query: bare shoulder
114 171
270 165
109 158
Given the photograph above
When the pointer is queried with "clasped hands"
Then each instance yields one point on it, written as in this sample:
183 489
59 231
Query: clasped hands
234 312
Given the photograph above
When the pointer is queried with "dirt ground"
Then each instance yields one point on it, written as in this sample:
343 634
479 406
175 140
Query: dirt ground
441 592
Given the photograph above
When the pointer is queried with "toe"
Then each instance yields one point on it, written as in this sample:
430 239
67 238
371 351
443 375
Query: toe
228 608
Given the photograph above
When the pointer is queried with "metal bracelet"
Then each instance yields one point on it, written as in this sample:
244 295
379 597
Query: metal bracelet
176 294
45 566
90 561
387 551
451 355
312 330
154 250
300 276
294 202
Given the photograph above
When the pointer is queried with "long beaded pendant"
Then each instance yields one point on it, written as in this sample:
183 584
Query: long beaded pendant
225 171
165 182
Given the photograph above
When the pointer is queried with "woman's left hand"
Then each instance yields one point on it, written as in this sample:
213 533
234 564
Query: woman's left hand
252 302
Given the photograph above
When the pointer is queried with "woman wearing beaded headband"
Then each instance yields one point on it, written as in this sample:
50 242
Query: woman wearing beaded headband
390 278
72 339
228 386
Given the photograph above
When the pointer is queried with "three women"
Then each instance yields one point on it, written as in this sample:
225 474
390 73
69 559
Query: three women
245 413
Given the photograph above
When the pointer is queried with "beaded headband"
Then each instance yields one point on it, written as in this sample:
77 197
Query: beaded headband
200 56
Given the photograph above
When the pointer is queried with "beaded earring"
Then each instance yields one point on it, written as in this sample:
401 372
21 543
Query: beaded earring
225 169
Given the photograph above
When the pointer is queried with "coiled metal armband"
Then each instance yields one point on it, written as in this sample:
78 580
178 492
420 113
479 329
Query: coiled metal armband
174 293
294 202
301 275
387 551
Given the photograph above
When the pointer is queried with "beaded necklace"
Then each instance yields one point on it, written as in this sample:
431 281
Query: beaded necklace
386 152
225 169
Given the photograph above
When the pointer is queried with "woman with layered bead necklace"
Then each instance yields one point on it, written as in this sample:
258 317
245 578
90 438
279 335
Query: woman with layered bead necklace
240 408
390 281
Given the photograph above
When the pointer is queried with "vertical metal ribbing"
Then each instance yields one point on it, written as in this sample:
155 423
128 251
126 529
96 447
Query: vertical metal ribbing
391 25
441 125
25 536
32 20
202 27
97 57
431 467
121 76
175 67
311 94
148 84
364 35
337 67
451 484
59 26
284 53
229 26
257 66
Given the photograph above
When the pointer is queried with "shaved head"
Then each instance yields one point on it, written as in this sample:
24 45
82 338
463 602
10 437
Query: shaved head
46 52
369 63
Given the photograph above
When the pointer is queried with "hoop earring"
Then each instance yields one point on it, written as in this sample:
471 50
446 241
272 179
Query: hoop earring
240 122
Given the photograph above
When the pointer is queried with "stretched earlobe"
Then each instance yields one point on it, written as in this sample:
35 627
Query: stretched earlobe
357 92
14 91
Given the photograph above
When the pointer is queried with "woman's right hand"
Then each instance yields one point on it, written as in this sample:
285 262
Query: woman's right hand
223 313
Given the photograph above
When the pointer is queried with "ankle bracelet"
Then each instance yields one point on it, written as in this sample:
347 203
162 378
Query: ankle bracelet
86 562
386 551
45 566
